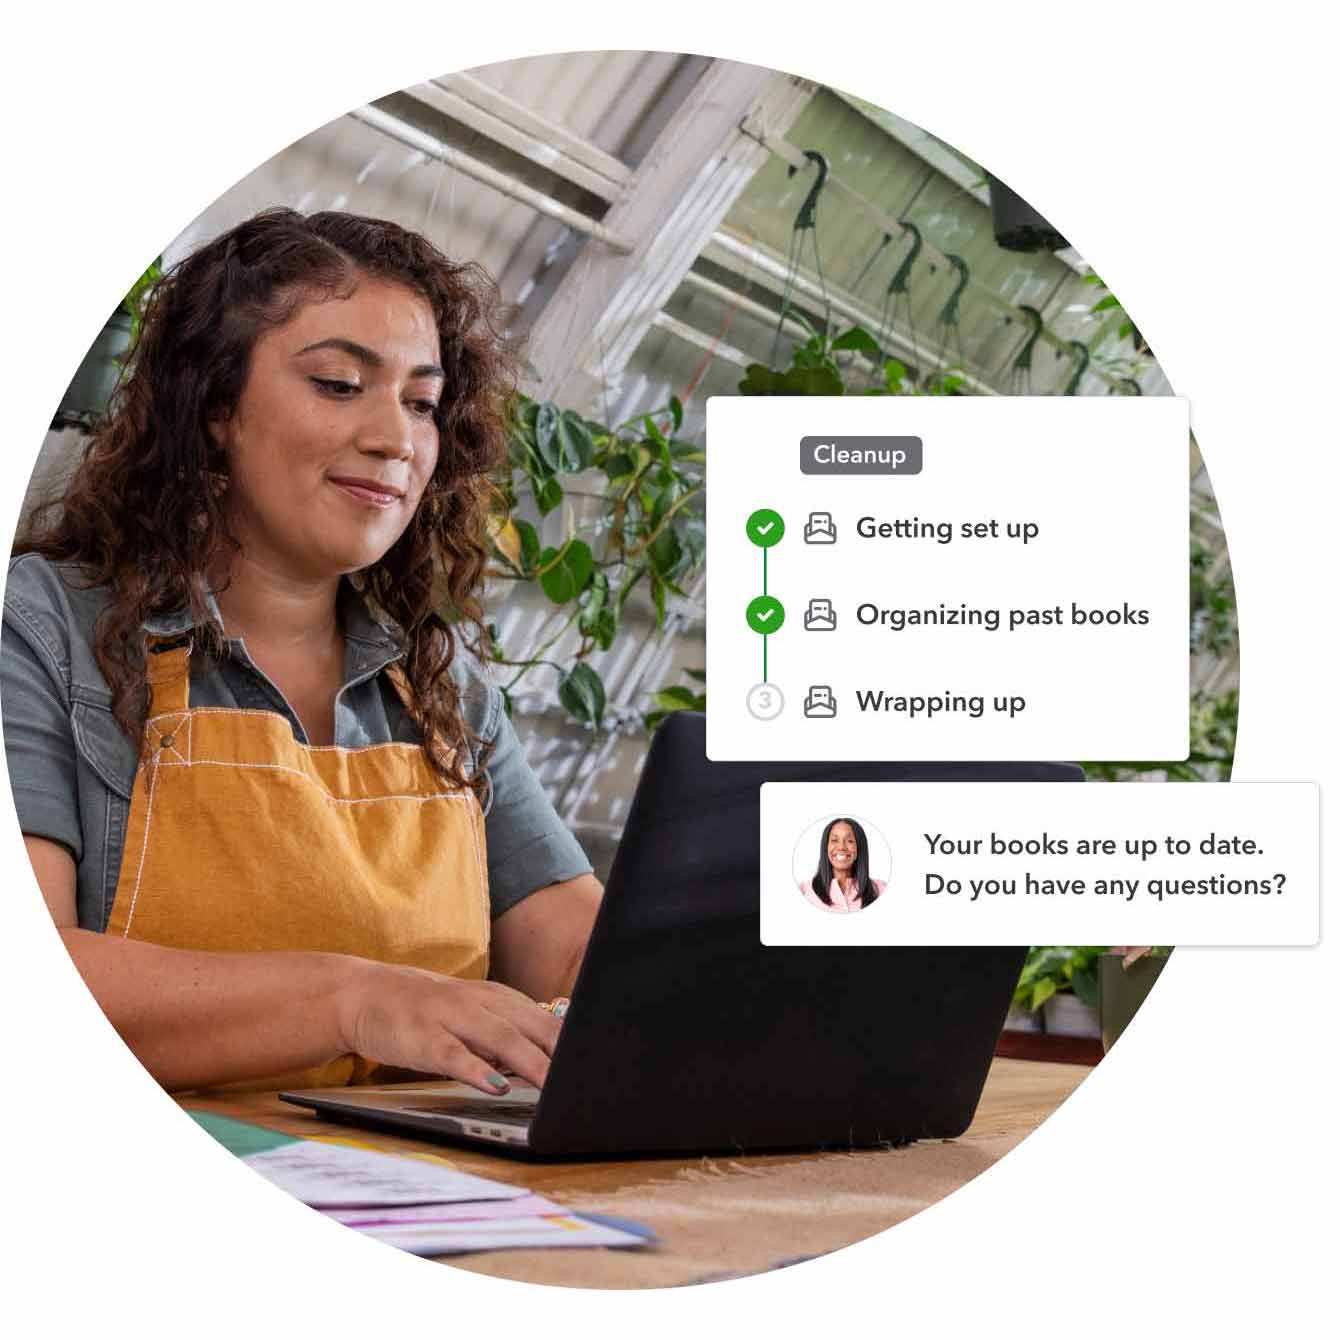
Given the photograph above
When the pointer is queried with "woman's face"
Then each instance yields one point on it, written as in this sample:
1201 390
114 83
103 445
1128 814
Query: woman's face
333 441
842 850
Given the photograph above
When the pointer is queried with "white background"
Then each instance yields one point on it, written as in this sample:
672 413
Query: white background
1104 480
1191 1182
1279 817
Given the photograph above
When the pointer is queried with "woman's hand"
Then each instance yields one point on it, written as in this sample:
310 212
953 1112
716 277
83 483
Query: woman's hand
419 1020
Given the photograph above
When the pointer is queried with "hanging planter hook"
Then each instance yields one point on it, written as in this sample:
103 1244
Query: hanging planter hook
1081 352
805 217
1024 359
898 284
949 313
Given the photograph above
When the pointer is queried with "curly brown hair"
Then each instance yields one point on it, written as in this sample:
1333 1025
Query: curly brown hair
143 514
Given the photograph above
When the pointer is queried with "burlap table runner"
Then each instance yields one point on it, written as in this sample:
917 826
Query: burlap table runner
720 1218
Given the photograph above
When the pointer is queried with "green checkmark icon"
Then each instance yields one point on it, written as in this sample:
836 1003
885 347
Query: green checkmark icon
764 614
765 527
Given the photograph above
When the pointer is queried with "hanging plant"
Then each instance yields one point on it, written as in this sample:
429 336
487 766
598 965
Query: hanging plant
648 533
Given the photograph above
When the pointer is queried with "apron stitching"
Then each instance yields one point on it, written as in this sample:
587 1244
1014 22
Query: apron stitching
144 848
298 772
167 738
483 888
279 716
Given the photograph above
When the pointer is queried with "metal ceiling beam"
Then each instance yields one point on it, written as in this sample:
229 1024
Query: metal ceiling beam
414 138
699 165
545 143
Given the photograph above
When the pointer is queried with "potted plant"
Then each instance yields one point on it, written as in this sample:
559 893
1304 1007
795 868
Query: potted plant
1126 975
1058 991
87 396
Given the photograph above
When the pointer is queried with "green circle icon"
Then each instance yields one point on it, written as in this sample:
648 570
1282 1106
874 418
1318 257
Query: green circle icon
764 614
765 527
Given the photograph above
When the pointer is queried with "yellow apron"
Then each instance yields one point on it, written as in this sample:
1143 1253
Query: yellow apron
241 838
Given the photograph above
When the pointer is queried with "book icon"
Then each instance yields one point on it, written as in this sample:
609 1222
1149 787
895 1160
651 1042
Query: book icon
819 701
819 529
820 616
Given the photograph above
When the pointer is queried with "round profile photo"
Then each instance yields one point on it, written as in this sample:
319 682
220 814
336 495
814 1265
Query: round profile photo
841 864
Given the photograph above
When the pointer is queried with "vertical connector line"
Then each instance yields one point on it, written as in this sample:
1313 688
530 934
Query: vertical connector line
765 636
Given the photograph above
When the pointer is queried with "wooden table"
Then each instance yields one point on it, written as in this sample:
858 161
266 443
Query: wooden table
723 1217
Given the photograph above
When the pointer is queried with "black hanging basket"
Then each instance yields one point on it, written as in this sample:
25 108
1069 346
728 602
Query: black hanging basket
1017 225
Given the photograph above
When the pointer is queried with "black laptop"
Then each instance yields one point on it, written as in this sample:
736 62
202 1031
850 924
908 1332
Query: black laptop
685 1034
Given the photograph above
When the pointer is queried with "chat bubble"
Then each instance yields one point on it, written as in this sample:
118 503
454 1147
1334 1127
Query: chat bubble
1024 863
947 577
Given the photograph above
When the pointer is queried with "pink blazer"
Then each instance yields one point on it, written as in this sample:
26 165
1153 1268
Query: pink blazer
842 901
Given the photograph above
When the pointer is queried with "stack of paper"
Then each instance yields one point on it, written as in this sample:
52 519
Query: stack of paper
420 1204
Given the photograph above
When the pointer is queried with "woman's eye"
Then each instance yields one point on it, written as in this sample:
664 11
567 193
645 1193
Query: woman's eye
335 386
425 408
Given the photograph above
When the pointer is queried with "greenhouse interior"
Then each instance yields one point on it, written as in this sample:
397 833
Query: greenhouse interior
669 228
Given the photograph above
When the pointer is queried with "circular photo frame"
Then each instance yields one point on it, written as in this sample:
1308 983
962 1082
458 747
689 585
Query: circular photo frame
848 854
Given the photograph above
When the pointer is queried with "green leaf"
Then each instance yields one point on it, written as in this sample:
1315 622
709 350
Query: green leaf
823 380
676 412
654 433
665 553
566 571
759 379
594 605
575 447
582 692
619 465
600 625
675 697
1084 981
530 544
894 375
699 675
1104 304
546 427
548 494
1042 992
859 340
693 536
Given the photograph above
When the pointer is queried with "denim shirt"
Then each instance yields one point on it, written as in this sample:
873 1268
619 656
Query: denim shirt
72 768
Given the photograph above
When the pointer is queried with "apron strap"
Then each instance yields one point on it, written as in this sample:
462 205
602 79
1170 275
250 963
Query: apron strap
169 675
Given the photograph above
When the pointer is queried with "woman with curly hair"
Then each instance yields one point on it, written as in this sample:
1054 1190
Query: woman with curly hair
842 881
274 805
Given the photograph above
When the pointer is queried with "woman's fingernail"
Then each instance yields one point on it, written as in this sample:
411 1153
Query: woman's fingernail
496 1081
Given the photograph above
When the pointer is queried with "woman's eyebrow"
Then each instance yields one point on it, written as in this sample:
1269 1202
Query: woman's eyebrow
369 357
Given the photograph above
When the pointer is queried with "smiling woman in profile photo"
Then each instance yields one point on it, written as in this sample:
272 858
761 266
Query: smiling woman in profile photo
842 880
272 801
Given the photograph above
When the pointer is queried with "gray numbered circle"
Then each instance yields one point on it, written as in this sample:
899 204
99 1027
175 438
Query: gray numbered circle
764 701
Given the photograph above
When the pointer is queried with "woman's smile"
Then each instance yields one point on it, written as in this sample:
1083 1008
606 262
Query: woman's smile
368 492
